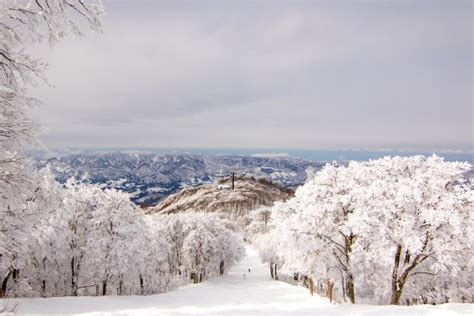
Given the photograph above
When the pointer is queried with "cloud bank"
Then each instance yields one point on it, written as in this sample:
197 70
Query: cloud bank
261 74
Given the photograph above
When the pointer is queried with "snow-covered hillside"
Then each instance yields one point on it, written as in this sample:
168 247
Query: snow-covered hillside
151 177
239 292
248 194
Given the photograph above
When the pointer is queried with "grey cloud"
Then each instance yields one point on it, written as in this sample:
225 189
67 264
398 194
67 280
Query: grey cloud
307 74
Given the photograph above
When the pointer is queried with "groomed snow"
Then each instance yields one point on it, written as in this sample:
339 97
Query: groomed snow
230 294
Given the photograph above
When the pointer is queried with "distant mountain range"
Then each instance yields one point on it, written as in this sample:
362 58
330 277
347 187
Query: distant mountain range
151 177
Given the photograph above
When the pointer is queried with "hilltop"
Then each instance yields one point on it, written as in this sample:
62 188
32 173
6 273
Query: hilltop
248 194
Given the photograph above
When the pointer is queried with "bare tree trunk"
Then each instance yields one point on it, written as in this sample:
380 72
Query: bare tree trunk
395 298
343 287
396 291
350 291
221 267
271 270
73 278
276 271
194 277
311 286
104 288
399 278
330 287
350 287
342 252
3 290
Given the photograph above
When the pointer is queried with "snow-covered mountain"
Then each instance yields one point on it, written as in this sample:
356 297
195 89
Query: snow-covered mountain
151 177
248 193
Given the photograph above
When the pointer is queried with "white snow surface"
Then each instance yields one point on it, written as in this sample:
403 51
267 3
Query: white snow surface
231 294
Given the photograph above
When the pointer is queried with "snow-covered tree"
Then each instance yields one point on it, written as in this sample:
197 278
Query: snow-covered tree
198 249
257 221
151 252
23 23
210 244
76 224
22 230
424 207
115 224
383 229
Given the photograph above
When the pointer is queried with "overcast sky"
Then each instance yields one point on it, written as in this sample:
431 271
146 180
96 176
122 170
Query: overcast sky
265 74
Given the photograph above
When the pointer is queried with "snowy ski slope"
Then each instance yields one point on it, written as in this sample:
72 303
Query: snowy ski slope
232 294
